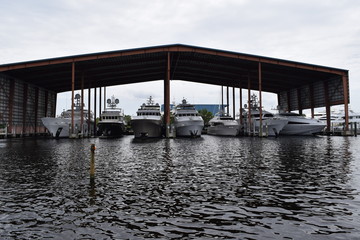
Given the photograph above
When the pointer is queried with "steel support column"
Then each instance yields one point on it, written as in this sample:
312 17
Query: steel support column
95 94
46 103
72 97
227 100
312 100
288 101
100 101
249 105
240 109
36 108
89 111
260 102
104 98
327 106
222 100
25 95
11 104
346 100
233 102
299 100
82 104
167 97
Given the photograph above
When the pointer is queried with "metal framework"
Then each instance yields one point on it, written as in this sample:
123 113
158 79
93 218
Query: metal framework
298 85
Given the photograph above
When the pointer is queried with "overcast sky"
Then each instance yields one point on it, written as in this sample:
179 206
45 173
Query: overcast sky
322 32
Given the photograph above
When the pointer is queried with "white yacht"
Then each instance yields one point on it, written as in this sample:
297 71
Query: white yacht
271 125
337 119
223 125
148 121
112 121
187 121
300 125
60 127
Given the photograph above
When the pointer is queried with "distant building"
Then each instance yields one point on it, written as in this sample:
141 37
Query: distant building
213 108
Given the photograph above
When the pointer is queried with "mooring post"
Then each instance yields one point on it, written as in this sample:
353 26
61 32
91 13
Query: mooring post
92 163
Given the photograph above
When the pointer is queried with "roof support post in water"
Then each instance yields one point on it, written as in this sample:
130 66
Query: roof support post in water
95 110
312 100
233 103
100 103
227 100
36 109
346 97
89 112
288 101
240 98
72 97
82 104
24 108
167 97
260 103
327 106
222 99
11 103
249 106
104 98
299 100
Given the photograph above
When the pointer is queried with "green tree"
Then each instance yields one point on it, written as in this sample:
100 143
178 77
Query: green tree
206 115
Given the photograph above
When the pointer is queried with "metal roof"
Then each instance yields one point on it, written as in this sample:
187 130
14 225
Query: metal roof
188 63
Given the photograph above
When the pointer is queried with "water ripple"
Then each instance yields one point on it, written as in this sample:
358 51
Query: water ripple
205 188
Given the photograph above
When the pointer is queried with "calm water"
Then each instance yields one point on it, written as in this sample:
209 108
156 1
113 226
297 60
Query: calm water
212 187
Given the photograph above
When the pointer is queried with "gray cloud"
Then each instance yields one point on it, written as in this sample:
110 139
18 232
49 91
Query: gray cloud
320 32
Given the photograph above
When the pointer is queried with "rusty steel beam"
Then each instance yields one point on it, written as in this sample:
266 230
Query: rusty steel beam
249 108
346 97
299 101
82 104
95 95
240 103
170 48
89 112
36 108
25 98
46 103
311 87
327 106
260 101
167 95
11 104
233 102
72 95
227 100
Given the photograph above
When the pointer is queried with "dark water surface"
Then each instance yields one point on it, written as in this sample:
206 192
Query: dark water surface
207 188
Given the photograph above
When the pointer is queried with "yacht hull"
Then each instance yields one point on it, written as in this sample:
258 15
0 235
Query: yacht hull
223 130
302 129
111 130
60 127
189 128
271 126
151 128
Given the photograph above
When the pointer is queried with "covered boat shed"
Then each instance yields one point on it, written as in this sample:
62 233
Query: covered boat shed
28 89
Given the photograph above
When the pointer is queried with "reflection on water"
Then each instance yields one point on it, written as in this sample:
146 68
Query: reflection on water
205 188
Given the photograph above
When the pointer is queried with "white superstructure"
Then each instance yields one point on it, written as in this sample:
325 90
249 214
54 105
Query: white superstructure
148 120
187 121
223 125
337 119
111 122
61 126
